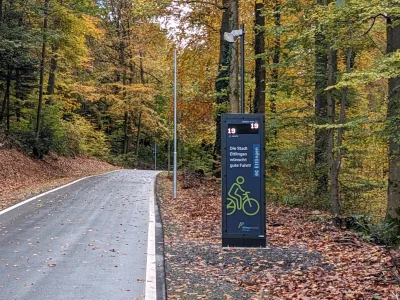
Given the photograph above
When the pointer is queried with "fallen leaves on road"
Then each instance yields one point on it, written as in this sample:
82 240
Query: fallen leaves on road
306 256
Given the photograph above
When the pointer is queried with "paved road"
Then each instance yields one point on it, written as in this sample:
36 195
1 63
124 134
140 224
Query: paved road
84 241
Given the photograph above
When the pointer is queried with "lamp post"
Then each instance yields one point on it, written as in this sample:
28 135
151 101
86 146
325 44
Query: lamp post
169 146
231 37
155 156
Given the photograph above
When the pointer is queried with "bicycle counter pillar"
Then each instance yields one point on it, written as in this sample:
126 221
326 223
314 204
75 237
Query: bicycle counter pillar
243 180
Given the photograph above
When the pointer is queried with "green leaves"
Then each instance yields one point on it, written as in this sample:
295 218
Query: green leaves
384 68
348 125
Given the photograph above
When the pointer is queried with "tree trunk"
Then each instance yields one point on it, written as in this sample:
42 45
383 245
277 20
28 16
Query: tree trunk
53 66
140 109
393 45
276 60
259 49
52 77
18 94
221 86
224 46
333 170
124 77
8 100
121 46
321 136
274 87
138 136
335 191
126 135
131 72
1 11
233 91
142 80
3 108
251 100
182 143
42 63
6 95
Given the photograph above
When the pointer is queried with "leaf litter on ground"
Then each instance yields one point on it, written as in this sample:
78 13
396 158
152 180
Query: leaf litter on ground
306 256
21 176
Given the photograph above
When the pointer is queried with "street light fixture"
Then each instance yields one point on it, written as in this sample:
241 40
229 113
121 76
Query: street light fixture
232 37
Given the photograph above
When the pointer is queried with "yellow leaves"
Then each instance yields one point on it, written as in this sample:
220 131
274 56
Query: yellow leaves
145 8
126 97
139 89
84 139
92 28
72 29
83 88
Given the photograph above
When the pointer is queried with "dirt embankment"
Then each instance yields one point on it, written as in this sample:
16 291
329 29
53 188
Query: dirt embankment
22 176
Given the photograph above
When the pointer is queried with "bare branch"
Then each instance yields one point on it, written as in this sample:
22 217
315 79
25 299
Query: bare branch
151 75
370 28
373 22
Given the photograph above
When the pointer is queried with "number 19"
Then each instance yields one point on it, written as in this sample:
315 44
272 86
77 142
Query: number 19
254 125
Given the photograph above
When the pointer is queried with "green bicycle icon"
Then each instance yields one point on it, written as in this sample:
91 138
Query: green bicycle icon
239 199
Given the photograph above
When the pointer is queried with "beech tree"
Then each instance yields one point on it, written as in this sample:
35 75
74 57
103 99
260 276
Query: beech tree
18 66
234 89
393 45
259 51
105 82
321 83
41 80
222 81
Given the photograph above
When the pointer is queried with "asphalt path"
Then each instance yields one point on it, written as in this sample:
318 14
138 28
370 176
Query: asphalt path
88 240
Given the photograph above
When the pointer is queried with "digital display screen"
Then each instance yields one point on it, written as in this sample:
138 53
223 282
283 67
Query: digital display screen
251 128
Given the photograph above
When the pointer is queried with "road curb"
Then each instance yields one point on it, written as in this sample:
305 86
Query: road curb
160 260
155 271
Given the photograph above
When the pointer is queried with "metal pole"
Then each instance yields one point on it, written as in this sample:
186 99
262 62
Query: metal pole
169 145
242 70
175 126
155 156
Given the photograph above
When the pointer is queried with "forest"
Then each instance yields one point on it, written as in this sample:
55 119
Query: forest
95 78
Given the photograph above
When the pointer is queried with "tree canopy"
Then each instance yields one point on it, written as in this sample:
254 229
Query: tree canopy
95 78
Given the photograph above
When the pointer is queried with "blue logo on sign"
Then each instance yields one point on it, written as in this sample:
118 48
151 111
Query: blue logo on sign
256 160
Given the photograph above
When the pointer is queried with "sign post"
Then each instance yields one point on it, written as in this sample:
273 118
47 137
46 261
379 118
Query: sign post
243 180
